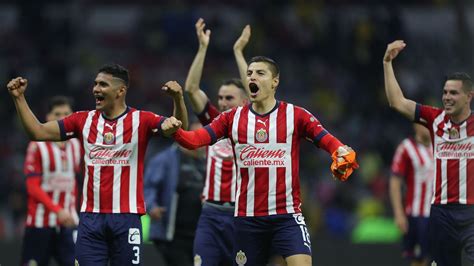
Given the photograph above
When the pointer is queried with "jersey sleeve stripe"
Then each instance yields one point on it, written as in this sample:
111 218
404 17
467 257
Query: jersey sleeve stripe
212 134
158 127
62 130
417 113
318 138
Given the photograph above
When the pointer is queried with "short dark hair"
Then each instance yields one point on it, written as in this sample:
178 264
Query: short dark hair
467 84
116 71
59 101
234 81
270 62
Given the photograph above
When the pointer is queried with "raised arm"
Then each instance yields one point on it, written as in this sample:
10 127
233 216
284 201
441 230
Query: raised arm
394 93
35 130
197 96
173 89
239 47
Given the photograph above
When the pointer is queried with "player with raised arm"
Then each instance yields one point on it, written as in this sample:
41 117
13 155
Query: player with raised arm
452 134
265 136
413 167
51 169
114 137
214 238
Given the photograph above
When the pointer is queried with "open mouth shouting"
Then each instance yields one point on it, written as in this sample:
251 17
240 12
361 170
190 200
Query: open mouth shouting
99 99
253 90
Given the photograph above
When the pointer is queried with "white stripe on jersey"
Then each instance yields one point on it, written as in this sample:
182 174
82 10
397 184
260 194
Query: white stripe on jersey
251 170
235 137
463 168
290 116
444 181
133 166
39 221
96 188
117 168
52 216
217 179
272 171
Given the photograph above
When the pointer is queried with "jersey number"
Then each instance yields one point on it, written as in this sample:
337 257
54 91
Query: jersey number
136 254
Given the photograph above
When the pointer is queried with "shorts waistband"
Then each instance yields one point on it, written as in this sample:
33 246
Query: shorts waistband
224 206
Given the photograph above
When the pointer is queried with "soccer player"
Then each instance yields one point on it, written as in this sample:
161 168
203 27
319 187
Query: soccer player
265 137
413 166
215 232
452 135
51 169
114 137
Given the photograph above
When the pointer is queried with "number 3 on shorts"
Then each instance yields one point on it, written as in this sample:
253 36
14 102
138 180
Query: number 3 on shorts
136 253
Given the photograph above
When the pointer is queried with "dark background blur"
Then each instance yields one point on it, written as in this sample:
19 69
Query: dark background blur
330 55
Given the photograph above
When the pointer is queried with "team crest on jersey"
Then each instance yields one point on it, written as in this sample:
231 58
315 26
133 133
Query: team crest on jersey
109 138
261 135
453 133
197 260
240 258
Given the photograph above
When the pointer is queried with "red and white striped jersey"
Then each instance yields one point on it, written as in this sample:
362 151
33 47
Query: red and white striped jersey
114 152
414 162
453 146
220 171
57 167
266 150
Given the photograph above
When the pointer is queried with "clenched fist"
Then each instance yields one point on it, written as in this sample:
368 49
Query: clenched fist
173 89
170 126
17 86
393 49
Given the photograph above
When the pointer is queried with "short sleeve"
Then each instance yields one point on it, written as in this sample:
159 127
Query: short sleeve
33 163
218 128
152 122
71 126
425 114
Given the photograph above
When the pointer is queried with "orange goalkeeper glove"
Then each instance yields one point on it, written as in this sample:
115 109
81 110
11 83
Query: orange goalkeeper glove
343 162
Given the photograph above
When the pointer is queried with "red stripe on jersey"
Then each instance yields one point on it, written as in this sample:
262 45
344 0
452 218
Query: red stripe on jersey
93 128
242 209
242 128
281 191
261 190
124 193
127 128
33 207
106 187
90 189
281 126
470 181
470 126
212 177
226 181
143 136
453 183
52 161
